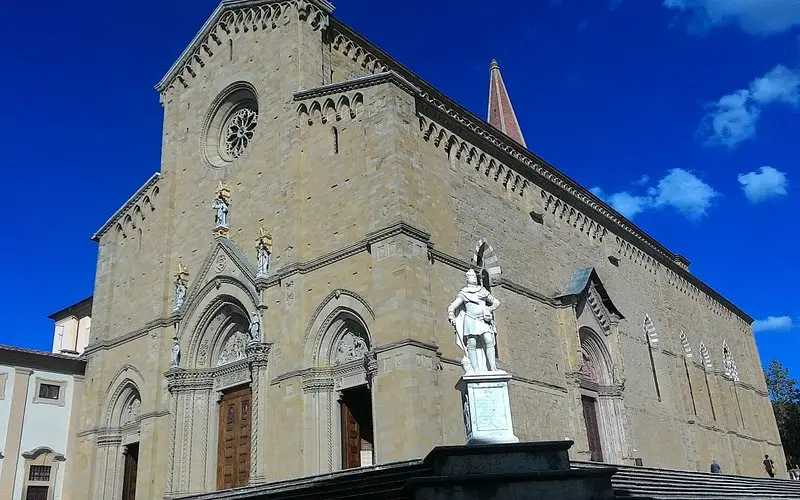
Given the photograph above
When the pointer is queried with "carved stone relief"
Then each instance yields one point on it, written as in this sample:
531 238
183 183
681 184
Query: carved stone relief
234 349
230 378
131 411
350 348
588 370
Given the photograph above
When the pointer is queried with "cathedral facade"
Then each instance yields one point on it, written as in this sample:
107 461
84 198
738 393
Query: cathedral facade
273 302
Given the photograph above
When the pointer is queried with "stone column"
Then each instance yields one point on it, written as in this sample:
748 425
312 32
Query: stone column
258 356
16 417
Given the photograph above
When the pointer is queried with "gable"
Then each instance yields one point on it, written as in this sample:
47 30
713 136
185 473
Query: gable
585 290
225 262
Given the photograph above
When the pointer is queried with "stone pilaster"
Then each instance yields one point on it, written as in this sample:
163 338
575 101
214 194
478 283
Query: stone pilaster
258 356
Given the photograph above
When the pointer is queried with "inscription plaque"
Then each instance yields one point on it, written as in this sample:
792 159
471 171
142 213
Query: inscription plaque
487 410
490 412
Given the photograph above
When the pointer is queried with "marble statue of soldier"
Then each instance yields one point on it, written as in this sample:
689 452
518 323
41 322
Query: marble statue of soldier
472 315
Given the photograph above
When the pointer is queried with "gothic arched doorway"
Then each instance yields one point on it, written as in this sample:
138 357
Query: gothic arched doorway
339 389
601 400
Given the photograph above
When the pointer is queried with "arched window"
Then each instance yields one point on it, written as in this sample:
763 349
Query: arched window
335 140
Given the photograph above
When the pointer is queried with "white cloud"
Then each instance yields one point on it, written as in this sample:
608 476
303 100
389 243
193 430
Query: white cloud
679 189
629 205
773 323
733 119
767 183
757 17
734 116
779 84
685 192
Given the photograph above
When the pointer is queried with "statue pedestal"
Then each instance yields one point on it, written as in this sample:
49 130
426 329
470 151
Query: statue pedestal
487 410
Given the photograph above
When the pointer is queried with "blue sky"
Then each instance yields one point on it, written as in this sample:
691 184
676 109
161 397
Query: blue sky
683 114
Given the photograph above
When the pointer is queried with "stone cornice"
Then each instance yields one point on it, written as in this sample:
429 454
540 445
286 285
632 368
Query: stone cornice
163 322
113 433
193 50
127 205
358 83
531 165
362 245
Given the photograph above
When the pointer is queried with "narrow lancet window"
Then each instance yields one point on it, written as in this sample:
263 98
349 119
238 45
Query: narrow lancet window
335 140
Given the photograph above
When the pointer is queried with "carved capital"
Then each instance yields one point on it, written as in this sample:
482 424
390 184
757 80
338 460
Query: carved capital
258 353
317 381
371 363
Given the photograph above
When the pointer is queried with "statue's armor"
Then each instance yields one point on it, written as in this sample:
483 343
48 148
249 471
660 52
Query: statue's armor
474 307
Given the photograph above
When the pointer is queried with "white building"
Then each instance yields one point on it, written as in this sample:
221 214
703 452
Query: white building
38 405
72 328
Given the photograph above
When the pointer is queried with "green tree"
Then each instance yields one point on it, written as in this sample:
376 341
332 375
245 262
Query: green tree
785 395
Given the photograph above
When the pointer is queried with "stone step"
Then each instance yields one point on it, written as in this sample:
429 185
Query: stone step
384 482
669 484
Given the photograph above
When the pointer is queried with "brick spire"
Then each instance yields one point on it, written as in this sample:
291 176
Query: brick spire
501 113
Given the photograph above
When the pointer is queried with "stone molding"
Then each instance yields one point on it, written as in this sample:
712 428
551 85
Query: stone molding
237 15
356 84
153 324
31 455
133 201
331 110
111 430
209 275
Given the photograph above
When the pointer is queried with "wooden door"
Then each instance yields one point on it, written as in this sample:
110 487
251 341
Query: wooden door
592 429
351 439
233 456
130 472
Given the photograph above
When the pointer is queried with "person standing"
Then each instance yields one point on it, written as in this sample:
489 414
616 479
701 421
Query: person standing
769 466
715 467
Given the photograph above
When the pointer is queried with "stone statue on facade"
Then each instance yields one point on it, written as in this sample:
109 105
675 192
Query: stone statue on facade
176 353
180 286
472 315
254 331
222 204
264 250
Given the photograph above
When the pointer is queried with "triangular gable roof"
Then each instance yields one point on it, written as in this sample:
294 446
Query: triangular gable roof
579 284
224 6
223 258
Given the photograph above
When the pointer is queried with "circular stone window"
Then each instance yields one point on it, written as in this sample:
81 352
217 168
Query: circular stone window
230 126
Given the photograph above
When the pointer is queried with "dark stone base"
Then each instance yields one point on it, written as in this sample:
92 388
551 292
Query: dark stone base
509 471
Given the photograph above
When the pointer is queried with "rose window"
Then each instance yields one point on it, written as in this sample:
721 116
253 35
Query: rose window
239 132
230 126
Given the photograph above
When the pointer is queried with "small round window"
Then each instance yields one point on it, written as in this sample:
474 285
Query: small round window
231 125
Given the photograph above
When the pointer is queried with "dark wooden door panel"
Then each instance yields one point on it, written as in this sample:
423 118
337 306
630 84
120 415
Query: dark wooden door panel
592 428
130 472
351 439
233 458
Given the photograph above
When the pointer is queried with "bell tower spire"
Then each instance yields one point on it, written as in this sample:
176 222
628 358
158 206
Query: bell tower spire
501 113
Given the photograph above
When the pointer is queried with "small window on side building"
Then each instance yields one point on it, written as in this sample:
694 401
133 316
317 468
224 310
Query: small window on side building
49 391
